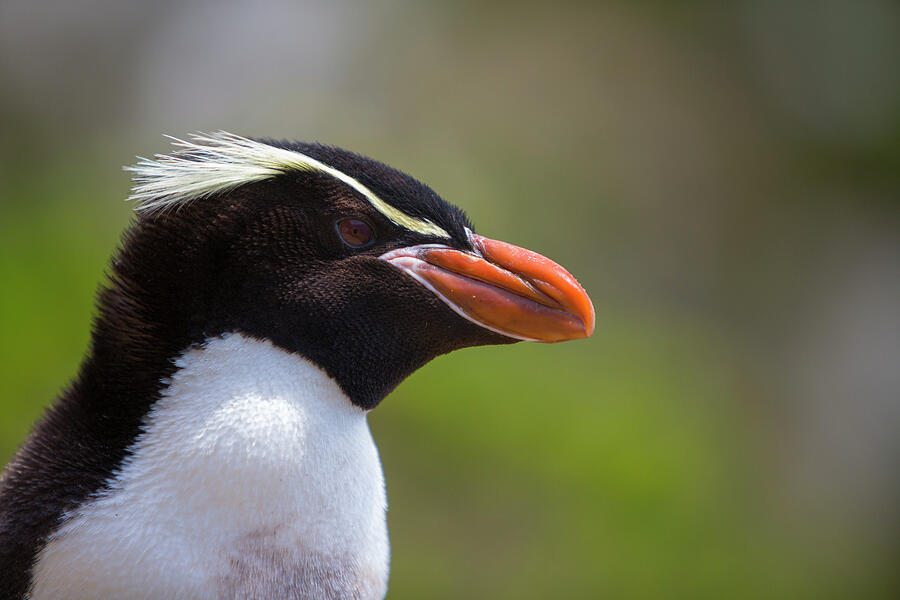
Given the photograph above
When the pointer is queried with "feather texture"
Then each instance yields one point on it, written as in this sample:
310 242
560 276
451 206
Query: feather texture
214 163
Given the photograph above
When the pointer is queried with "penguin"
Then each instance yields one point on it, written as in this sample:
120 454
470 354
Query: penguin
214 444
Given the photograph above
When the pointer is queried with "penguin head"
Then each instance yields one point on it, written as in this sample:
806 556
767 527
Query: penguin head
354 265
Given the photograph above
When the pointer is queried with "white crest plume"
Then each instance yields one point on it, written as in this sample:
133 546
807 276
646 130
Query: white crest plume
218 162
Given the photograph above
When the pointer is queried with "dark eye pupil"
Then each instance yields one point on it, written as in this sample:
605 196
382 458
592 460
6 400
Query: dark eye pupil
354 233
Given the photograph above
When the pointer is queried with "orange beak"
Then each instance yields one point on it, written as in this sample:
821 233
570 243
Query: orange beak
509 290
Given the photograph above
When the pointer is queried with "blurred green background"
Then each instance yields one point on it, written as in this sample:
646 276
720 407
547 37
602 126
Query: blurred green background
723 178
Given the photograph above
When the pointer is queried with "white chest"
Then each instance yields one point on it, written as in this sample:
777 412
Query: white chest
255 477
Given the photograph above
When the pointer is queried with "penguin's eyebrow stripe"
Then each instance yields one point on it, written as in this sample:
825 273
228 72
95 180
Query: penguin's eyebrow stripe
212 163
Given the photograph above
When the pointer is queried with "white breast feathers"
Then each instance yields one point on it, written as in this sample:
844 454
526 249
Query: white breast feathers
254 477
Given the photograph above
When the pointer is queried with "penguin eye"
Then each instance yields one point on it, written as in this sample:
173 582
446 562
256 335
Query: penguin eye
355 233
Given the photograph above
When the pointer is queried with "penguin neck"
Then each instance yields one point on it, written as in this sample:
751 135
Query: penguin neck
250 452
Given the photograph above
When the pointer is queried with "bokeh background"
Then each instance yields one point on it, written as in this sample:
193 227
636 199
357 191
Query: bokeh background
723 178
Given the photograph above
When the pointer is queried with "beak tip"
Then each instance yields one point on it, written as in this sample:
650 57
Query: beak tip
589 328
586 314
